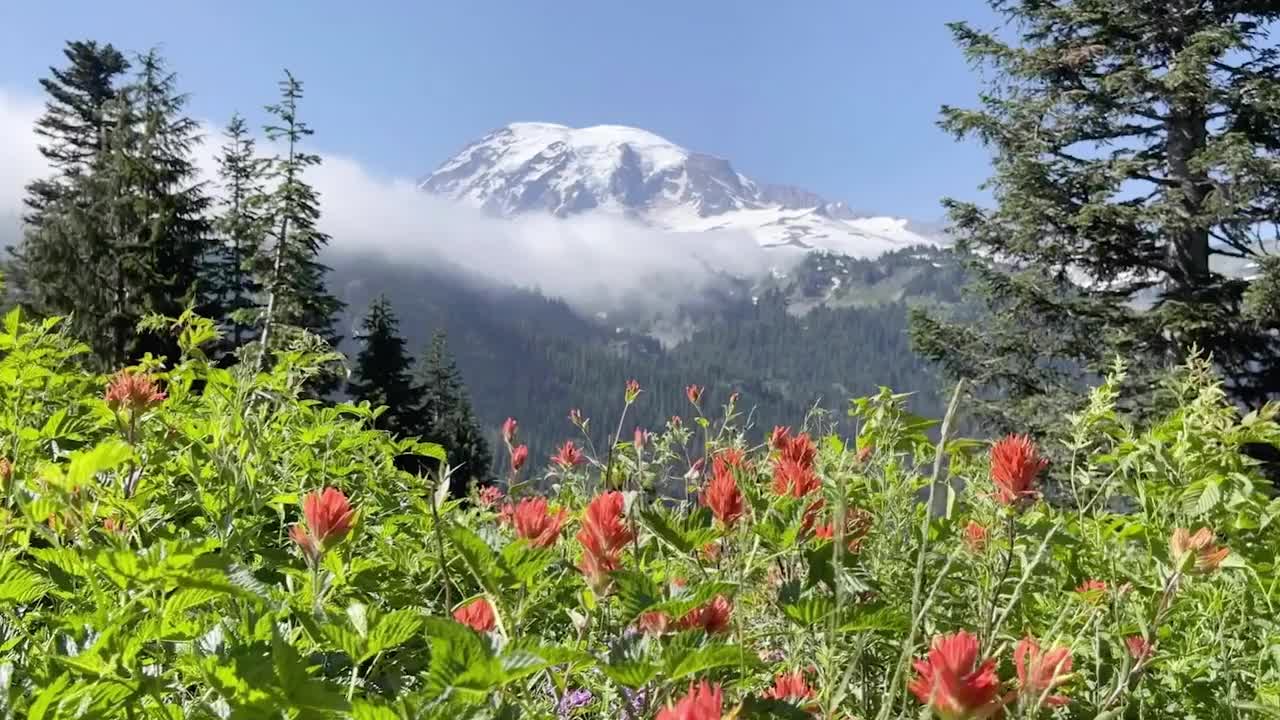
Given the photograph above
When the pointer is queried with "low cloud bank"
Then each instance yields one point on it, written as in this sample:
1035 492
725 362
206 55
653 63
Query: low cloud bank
597 262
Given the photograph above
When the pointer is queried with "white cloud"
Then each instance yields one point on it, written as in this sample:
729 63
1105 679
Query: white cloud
595 262
19 159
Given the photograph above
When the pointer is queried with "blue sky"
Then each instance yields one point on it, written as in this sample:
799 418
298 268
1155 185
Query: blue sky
840 97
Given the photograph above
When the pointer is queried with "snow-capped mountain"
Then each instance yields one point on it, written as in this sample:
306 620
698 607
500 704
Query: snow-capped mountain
543 167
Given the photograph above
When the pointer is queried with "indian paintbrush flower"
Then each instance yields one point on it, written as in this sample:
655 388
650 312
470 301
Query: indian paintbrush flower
568 456
477 614
135 392
536 522
1040 672
1196 552
1015 463
702 702
953 682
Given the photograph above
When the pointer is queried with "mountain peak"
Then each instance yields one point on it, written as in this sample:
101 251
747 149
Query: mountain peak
548 167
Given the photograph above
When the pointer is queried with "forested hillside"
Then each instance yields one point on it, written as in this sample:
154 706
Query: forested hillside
784 351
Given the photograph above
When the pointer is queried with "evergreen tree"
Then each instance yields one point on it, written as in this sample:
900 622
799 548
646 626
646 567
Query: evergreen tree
240 226
383 372
172 234
58 267
1135 146
447 417
121 231
295 281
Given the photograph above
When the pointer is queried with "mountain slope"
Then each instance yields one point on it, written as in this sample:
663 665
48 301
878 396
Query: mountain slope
564 171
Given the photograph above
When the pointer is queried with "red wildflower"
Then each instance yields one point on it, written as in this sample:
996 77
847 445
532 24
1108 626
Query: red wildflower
729 459
857 524
633 391
535 522
1015 463
864 453
509 430
115 526
575 417
1183 546
704 702
1092 591
6 471
653 623
1039 672
711 551
135 392
506 514
307 544
603 536
478 614
641 439
568 455
794 479
1139 648
489 496
675 421
952 681
810 516
329 516
791 687
724 498
694 393
778 438
800 449
975 537
712 617
519 454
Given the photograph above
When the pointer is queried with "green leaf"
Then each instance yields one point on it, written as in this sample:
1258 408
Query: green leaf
368 710
107 455
21 585
478 556
526 563
630 673
687 533
636 592
47 696
681 664
394 628
810 611
462 665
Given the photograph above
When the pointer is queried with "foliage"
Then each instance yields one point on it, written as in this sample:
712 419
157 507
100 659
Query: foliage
382 375
149 564
1134 155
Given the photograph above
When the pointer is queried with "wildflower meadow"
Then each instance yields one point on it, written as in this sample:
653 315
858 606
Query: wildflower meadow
195 541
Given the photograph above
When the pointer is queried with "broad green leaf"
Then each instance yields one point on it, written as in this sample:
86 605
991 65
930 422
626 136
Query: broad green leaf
394 628
681 664
631 673
21 585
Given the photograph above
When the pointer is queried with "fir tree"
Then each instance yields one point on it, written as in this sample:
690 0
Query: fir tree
173 234
58 265
295 281
1135 146
240 227
383 373
447 417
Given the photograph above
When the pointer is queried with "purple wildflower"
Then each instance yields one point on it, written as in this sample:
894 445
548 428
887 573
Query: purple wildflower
573 700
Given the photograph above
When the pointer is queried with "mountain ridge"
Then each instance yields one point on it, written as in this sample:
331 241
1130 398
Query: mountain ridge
565 171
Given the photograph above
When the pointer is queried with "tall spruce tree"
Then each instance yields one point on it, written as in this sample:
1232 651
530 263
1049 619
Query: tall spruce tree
295 280
172 233
383 374
447 417
58 266
235 265
1136 154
